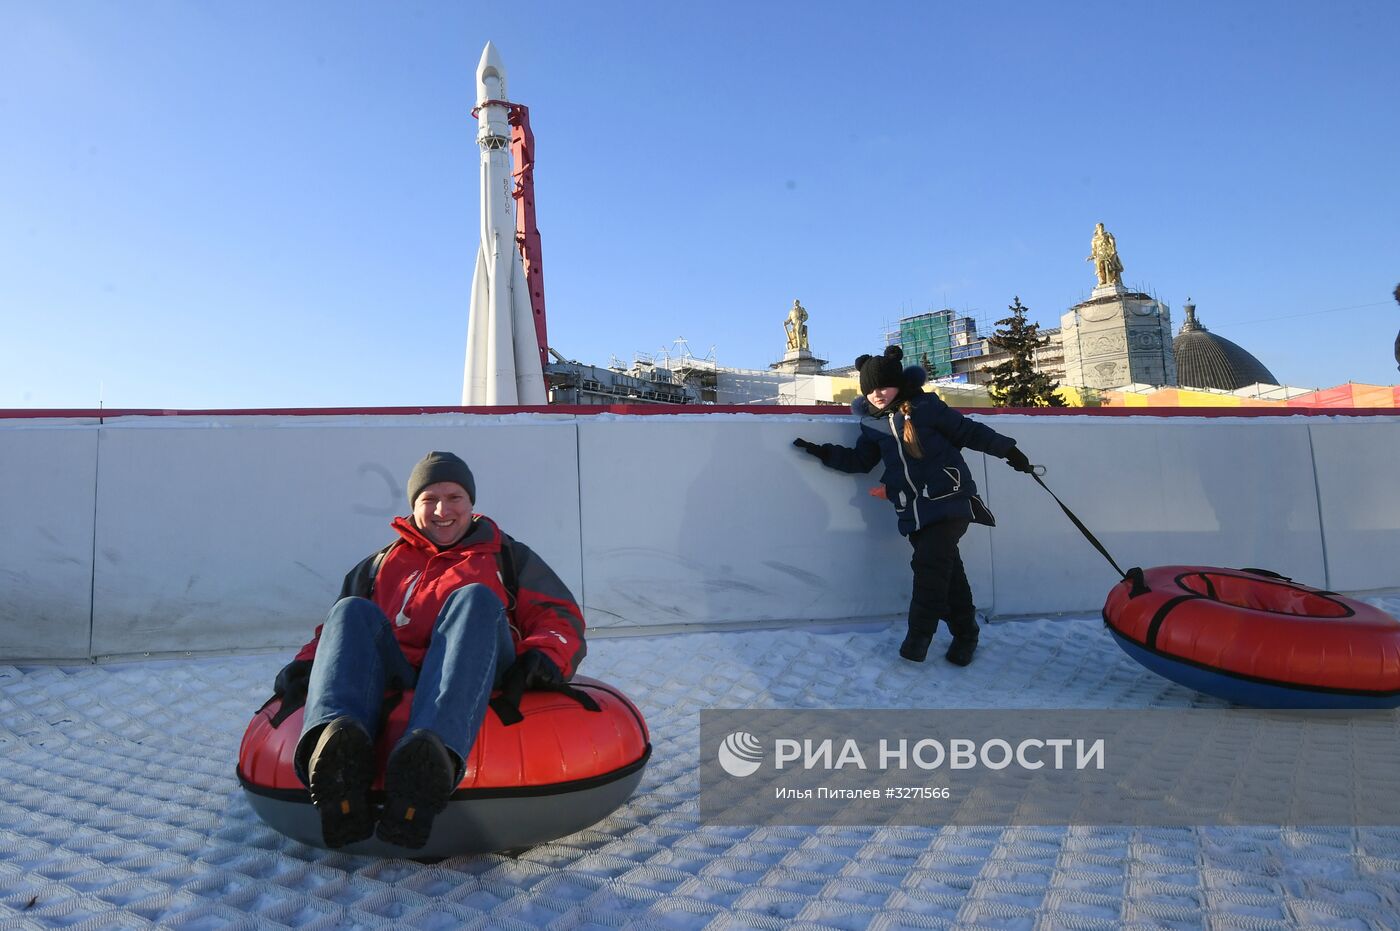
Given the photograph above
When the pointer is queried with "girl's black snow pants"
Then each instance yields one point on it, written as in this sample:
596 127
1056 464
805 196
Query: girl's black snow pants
941 589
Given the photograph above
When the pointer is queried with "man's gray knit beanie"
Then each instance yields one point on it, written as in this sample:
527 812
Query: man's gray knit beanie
440 467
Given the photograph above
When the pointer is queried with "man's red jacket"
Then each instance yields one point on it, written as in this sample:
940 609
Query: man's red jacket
411 578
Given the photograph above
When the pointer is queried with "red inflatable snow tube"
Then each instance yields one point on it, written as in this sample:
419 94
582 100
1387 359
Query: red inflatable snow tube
560 768
1257 638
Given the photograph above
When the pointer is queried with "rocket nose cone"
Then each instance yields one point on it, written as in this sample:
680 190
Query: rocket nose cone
490 58
490 68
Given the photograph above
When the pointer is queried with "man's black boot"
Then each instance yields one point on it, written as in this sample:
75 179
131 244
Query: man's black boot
339 774
418 780
915 646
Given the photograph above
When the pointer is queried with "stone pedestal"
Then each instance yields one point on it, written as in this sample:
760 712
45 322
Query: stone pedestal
799 362
1118 337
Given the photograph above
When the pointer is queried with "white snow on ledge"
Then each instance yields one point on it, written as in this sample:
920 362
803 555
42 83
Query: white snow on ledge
119 808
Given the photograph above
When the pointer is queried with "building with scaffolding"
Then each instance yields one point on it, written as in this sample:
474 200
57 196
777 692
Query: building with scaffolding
725 385
975 364
927 340
576 384
953 350
674 375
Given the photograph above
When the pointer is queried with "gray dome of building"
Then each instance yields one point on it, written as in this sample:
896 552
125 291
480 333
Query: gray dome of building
1204 360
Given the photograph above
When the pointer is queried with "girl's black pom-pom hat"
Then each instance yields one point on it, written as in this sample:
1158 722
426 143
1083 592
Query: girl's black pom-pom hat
882 371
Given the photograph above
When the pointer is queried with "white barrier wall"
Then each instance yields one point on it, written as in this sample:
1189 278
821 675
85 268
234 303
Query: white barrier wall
49 473
1154 491
239 534
704 519
1358 477
234 532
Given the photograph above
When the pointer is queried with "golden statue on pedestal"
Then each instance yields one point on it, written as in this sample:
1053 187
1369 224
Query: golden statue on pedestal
796 327
1103 252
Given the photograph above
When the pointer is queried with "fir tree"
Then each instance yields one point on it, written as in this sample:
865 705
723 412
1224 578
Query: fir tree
1015 382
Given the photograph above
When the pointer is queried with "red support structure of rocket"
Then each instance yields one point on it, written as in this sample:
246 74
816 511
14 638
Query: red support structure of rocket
527 236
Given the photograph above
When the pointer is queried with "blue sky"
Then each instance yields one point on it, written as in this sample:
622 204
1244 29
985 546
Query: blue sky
258 204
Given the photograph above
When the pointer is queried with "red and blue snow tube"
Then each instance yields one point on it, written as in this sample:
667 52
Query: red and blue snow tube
1256 638
559 765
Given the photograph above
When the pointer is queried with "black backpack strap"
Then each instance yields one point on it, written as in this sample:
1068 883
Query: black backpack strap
359 582
505 564
374 565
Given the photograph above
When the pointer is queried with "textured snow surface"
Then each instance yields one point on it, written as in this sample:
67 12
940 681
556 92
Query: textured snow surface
119 809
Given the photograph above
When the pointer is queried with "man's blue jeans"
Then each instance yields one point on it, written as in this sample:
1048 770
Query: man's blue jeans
358 657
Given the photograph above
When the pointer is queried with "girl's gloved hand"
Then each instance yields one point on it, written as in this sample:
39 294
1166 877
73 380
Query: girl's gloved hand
1018 461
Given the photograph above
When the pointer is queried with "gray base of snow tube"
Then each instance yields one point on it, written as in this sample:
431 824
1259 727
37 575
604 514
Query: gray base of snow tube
475 821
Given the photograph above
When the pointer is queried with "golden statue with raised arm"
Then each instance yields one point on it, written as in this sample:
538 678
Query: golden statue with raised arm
796 326
1103 252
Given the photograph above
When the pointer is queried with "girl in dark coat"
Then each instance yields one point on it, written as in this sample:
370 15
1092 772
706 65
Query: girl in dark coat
920 440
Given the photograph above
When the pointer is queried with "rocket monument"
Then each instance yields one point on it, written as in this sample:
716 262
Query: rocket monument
503 352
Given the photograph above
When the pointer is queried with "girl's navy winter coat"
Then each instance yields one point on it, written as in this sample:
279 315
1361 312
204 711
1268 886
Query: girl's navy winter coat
925 490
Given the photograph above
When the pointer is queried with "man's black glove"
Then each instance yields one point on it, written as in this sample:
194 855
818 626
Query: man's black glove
532 670
809 447
1018 461
292 681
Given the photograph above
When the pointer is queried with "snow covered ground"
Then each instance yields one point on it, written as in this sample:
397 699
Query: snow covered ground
119 808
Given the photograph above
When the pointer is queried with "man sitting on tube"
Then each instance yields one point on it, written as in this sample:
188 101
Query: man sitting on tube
452 609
